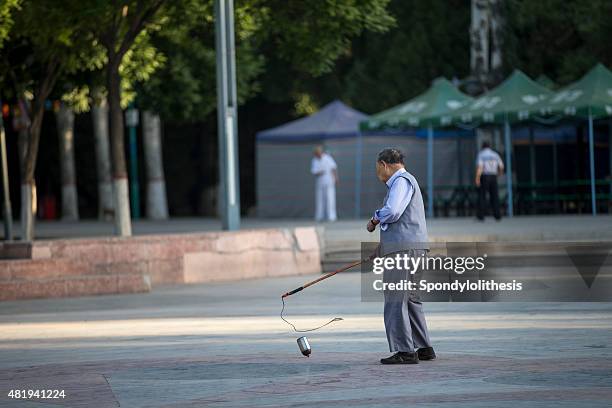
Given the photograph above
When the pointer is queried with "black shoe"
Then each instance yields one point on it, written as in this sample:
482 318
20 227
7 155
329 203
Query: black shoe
401 358
426 353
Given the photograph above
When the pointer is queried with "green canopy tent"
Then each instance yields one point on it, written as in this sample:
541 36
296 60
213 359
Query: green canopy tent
426 110
588 98
546 82
510 102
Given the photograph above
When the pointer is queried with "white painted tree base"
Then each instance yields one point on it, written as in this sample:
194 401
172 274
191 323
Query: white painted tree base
157 208
28 209
99 112
123 222
157 204
70 207
65 131
105 201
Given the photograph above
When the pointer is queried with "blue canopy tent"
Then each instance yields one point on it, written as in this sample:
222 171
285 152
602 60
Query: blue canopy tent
285 187
335 120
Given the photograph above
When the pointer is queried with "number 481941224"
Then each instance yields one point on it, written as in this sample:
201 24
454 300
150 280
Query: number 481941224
37 394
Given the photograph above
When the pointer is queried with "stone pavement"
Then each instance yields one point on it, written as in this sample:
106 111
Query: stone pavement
223 345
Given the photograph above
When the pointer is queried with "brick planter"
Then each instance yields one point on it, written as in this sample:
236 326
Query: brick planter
77 267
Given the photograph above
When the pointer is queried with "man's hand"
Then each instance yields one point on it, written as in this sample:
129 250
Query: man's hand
477 181
372 225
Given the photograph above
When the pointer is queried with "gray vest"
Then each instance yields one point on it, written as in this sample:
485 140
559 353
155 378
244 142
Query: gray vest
410 230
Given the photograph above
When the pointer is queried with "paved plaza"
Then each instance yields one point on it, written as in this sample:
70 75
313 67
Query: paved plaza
224 345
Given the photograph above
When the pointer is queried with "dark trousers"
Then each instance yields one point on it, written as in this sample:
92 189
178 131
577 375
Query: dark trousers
488 184
403 313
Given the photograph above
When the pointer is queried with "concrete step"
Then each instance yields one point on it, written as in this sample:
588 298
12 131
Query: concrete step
15 250
37 269
65 277
74 286
338 259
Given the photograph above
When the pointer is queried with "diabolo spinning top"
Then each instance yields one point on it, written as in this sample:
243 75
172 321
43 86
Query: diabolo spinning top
304 346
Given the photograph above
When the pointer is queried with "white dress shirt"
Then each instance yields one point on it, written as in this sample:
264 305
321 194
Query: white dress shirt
490 161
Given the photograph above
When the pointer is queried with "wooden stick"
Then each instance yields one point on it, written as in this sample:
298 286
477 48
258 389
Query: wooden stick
327 275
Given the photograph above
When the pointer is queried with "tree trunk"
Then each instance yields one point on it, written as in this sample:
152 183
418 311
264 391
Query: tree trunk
479 39
99 114
32 123
28 191
123 224
157 206
65 131
486 34
496 45
28 183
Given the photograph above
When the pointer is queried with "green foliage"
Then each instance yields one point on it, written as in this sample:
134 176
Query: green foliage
430 39
559 38
36 52
284 40
184 89
77 98
138 65
311 35
7 9
309 46
140 61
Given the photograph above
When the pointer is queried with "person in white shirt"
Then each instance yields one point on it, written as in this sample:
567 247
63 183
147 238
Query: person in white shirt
324 168
488 166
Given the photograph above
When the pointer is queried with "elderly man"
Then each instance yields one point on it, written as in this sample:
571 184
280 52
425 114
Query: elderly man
402 230
324 168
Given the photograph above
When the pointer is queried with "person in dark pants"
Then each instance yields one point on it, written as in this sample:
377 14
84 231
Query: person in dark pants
488 166
403 229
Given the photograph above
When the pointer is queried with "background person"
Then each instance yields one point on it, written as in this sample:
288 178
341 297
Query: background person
324 168
488 166
402 229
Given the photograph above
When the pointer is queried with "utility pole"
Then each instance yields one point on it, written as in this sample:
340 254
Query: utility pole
8 214
131 120
227 115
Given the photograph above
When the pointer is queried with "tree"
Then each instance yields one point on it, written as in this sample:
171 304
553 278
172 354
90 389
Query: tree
184 90
558 38
85 90
386 66
99 114
7 8
277 42
73 100
485 42
312 35
307 46
65 132
157 204
34 58
117 25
